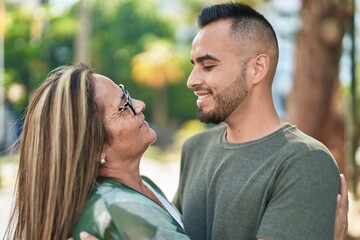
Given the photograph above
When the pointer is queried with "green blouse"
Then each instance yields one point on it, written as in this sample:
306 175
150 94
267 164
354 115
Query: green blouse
115 211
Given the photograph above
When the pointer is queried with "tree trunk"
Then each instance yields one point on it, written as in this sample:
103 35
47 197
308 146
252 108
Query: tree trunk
83 36
160 116
160 107
314 103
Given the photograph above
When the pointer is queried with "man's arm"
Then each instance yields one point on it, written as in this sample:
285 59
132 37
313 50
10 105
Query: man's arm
342 209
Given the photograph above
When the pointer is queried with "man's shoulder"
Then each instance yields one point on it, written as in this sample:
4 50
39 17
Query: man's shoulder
298 140
302 149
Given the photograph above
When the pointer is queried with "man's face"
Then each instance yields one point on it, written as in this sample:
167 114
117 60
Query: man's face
219 74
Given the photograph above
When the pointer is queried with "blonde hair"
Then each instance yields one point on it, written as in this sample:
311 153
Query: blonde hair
60 151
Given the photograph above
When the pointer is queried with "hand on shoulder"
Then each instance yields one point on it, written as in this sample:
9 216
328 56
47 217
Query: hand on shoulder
342 209
85 236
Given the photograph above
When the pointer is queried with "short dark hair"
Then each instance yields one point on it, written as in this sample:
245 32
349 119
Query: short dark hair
246 22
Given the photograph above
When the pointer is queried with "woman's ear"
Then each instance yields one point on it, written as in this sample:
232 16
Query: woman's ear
260 68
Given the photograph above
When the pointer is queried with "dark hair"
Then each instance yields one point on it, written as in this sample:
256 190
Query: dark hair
246 22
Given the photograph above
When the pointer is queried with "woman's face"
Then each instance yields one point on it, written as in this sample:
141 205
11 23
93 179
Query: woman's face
129 133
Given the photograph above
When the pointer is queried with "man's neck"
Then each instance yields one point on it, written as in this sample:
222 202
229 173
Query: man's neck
250 129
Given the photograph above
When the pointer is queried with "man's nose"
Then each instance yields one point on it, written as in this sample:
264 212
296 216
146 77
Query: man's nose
194 79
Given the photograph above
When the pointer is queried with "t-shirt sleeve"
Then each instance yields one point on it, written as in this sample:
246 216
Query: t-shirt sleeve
303 202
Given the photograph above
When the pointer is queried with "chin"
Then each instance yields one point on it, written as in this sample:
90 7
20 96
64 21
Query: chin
154 136
154 140
210 117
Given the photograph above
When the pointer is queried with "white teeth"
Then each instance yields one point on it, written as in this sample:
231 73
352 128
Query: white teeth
200 97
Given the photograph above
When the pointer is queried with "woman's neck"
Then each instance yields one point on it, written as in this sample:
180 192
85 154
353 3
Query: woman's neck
125 172
129 176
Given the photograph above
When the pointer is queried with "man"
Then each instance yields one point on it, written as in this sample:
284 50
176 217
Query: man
255 176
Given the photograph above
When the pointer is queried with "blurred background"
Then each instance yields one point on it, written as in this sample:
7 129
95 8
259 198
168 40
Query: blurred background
145 45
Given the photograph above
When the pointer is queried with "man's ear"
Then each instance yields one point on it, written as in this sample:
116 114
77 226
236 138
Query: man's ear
260 67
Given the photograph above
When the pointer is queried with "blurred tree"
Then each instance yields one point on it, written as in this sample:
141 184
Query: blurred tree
35 42
355 111
194 7
83 34
126 36
314 103
157 67
121 30
109 34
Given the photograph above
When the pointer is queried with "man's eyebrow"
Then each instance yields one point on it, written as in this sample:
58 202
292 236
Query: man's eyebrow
205 57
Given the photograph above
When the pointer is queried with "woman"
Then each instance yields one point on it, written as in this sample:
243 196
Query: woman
80 152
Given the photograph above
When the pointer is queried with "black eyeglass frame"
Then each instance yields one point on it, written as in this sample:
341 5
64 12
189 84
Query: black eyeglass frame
128 102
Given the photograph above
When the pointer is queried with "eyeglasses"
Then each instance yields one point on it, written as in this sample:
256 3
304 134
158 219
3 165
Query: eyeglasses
128 103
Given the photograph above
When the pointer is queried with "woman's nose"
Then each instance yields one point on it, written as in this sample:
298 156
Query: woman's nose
138 105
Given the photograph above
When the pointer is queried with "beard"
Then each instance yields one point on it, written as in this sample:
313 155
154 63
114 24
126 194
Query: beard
226 101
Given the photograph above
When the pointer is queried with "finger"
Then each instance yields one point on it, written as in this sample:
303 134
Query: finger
344 192
343 189
87 236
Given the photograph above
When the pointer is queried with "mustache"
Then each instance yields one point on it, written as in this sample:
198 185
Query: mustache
204 89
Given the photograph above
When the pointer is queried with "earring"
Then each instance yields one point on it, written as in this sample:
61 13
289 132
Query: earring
102 161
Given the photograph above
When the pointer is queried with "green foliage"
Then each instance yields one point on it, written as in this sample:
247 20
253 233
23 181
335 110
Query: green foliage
63 26
37 42
122 30
120 34
33 46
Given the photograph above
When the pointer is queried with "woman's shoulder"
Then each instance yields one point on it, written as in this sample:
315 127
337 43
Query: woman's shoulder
111 208
117 210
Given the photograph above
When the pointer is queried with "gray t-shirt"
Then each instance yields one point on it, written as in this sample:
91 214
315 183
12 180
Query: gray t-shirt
282 186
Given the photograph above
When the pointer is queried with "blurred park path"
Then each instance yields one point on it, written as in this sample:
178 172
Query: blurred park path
165 175
5 207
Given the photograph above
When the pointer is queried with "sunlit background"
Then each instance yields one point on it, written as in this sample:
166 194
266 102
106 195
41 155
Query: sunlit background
145 45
